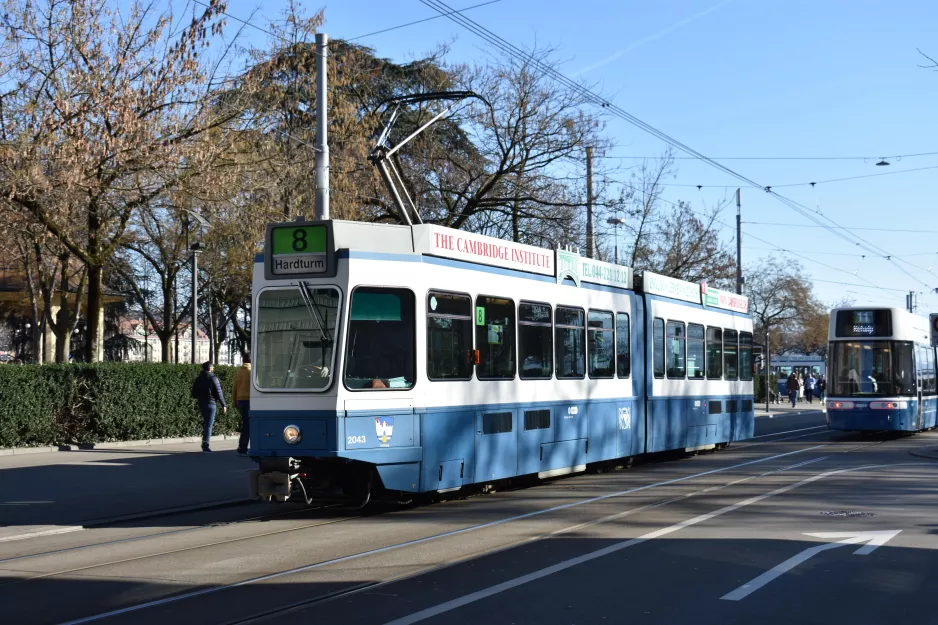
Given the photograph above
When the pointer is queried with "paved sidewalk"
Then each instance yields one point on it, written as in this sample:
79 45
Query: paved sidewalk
786 409
45 492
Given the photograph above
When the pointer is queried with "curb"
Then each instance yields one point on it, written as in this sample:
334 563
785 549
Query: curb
20 451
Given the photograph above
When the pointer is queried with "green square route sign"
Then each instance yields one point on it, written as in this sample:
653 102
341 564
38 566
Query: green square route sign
299 249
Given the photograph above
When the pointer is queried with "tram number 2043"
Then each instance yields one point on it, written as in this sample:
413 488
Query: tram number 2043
355 440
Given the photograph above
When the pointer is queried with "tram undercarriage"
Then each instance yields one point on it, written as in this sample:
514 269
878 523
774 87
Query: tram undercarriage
317 480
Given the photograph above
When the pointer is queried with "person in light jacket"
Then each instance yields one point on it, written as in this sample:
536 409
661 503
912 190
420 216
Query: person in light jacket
810 383
242 400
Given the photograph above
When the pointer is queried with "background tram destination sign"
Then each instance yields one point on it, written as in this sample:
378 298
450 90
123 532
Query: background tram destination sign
477 248
656 284
299 249
933 324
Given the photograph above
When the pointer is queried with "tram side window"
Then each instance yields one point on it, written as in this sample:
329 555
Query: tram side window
381 332
714 353
570 331
449 336
495 338
730 354
695 352
601 344
658 347
535 341
745 356
676 354
623 351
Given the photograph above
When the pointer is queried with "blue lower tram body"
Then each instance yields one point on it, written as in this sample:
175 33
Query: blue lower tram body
863 418
439 449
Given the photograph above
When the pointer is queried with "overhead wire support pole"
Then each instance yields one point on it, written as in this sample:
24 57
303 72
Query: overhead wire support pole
589 201
322 128
739 243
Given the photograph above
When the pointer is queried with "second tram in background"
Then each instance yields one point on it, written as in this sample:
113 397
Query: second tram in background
882 371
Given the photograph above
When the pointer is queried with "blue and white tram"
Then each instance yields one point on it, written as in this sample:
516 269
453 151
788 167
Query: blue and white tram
882 371
424 359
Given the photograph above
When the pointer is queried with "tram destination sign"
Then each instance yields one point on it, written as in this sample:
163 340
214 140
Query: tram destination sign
863 323
299 249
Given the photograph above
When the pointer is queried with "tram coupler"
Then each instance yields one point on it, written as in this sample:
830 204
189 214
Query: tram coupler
272 481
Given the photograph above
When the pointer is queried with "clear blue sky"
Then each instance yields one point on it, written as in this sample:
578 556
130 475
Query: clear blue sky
740 78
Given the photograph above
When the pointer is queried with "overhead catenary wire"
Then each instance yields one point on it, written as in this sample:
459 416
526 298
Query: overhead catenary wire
589 96
809 183
781 158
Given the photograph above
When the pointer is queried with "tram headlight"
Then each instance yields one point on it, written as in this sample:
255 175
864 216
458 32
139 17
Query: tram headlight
292 434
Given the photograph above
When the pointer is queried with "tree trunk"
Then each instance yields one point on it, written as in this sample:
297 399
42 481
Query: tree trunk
63 339
94 344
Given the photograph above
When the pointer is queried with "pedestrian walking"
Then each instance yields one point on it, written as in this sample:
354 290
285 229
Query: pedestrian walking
810 383
821 387
800 387
242 400
207 390
793 386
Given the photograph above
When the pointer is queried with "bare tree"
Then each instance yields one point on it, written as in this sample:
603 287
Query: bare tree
104 113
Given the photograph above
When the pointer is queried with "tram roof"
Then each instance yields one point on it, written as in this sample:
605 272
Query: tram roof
479 249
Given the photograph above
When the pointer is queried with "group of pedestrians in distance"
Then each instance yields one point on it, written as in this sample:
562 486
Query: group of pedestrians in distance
207 391
799 385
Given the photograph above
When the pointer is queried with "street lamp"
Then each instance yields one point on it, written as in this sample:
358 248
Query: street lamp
616 222
195 247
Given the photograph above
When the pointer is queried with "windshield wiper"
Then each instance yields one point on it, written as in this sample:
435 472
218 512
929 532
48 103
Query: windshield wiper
313 309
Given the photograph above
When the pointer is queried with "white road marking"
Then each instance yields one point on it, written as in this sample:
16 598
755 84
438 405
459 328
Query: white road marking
410 543
599 553
50 532
790 431
873 540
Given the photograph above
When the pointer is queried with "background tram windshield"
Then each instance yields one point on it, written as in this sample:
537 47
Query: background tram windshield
871 368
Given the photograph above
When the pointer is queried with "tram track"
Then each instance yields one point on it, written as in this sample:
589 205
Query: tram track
257 580
263 517
175 532
355 588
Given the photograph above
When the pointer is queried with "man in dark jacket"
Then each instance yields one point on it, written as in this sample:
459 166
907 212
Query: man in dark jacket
207 390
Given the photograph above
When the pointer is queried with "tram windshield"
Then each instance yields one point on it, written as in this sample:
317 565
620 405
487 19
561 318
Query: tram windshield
296 337
871 369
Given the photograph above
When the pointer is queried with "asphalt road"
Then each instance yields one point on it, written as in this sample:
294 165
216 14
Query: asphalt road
799 525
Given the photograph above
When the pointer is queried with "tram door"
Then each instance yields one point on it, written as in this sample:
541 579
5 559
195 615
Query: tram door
496 445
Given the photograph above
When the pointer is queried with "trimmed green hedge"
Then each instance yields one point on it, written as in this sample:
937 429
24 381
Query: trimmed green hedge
759 386
94 403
